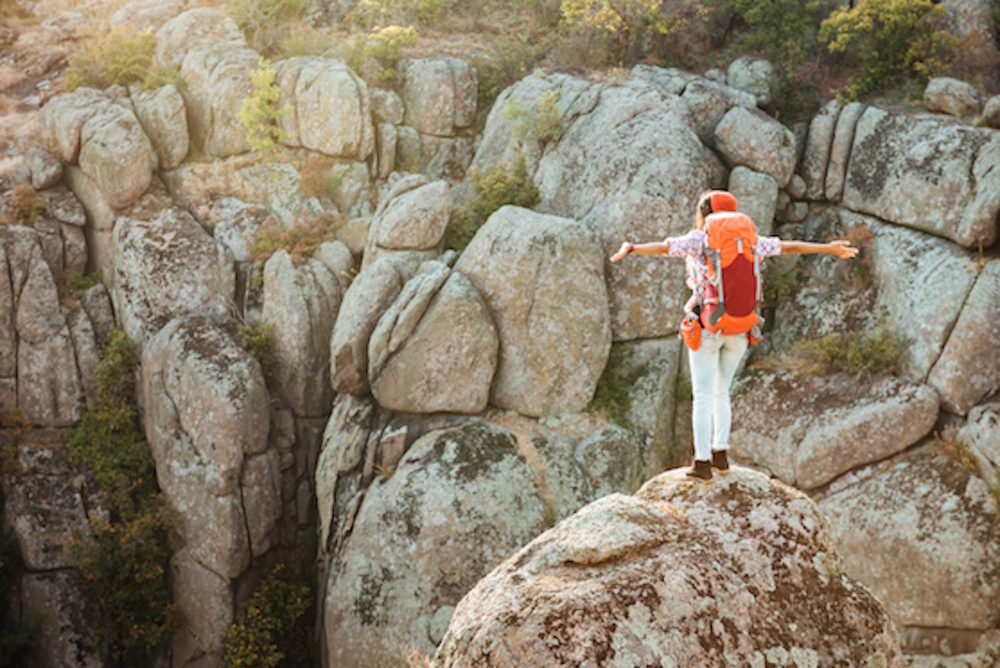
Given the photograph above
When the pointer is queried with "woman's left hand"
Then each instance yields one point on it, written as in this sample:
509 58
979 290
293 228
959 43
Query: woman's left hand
842 249
625 249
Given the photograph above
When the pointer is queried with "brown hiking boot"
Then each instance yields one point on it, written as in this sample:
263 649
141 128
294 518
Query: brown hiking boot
720 460
701 470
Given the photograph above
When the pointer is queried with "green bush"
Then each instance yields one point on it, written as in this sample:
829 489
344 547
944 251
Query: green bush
127 553
259 113
613 395
256 339
369 13
119 56
541 125
889 41
375 56
492 188
855 353
274 631
267 23
782 30
79 285
301 240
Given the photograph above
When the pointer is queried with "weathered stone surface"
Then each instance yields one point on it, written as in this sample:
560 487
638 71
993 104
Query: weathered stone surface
445 157
46 170
54 605
708 102
757 141
991 112
198 28
435 349
981 434
439 95
42 508
543 280
755 76
62 205
276 186
386 138
938 568
97 303
74 246
460 500
927 173
64 116
116 154
969 366
166 267
413 219
816 155
236 224
300 305
162 115
952 96
610 170
757 195
147 14
679 574
216 79
370 294
206 601
840 149
387 106
331 110
807 429
85 350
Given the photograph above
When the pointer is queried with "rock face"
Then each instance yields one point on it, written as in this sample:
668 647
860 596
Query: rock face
194 29
757 141
679 574
756 76
969 368
206 417
952 96
758 196
300 305
950 543
440 95
330 110
216 80
542 278
610 169
412 217
457 504
163 117
981 434
816 154
808 430
166 267
916 172
435 349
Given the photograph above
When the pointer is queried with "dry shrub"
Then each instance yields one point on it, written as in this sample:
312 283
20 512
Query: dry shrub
315 178
119 56
301 240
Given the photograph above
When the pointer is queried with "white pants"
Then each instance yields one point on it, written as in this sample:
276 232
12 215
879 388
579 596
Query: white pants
713 366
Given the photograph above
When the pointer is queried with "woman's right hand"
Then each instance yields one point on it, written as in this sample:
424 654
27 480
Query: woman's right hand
842 249
625 249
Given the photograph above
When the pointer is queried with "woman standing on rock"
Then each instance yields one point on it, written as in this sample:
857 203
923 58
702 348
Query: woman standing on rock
723 254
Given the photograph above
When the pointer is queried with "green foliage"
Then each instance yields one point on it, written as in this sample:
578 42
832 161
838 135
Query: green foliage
855 353
376 12
259 112
267 23
128 553
783 30
375 56
510 60
301 240
304 40
493 187
542 125
28 205
888 41
271 633
256 339
118 56
79 285
613 393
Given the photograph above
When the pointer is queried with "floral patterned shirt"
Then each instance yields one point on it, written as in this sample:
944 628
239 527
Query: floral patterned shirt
691 246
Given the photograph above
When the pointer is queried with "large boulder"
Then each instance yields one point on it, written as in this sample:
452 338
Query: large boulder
459 502
300 306
612 169
927 173
969 366
164 118
55 608
542 277
755 140
167 267
329 107
758 196
206 416
734 573
840 149
412 216
952 96
194 29
816 153
435 349
216 79
981 435
439 95
808 429
940 568
755 76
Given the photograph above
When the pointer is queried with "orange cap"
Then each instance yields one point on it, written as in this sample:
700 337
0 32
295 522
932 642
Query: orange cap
723 201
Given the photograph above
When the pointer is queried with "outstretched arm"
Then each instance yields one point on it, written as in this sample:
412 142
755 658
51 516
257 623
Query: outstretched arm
654 248
839 248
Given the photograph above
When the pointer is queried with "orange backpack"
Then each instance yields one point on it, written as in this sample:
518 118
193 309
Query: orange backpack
733 297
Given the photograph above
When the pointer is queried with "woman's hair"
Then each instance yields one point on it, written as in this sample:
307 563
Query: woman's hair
711 201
